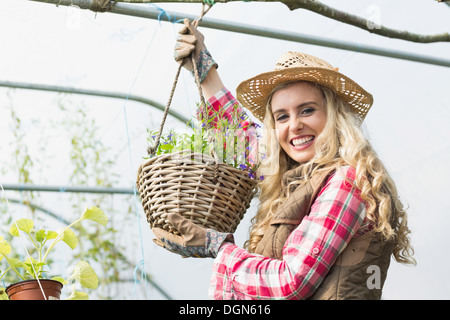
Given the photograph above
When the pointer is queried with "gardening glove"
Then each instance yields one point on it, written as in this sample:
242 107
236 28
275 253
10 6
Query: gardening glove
191 40
193 241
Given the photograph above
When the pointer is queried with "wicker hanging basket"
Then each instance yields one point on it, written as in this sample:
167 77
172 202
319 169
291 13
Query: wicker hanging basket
191 185
211 194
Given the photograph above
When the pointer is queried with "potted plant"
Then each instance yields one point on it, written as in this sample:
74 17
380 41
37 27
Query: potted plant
32 272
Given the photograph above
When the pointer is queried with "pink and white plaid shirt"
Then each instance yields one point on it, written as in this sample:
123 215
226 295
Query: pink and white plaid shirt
337 215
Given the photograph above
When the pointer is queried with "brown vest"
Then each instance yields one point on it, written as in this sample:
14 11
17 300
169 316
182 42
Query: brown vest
359 271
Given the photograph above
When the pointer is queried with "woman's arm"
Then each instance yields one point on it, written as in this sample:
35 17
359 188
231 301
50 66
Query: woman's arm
212 84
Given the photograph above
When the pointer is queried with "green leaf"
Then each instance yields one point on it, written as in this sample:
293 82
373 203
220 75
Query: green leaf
33 261
23 224
30 267
3 295
5 248
17 263
51 235
70 238
78 295
40 235
60 279
86 275
95 214
166 147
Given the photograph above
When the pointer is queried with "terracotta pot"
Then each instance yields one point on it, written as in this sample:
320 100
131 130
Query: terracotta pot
30 290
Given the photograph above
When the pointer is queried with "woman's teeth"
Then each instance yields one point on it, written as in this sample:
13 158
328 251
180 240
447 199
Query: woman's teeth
302 141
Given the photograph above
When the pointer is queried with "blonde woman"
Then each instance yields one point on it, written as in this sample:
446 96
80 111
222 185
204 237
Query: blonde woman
329 218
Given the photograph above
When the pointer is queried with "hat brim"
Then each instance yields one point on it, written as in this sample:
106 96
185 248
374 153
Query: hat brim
253 93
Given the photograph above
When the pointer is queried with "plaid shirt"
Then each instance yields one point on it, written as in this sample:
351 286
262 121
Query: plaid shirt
337 215
223 102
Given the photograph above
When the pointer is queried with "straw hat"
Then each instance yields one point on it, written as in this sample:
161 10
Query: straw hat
293 66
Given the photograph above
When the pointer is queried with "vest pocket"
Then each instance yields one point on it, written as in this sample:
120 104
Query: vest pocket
355 250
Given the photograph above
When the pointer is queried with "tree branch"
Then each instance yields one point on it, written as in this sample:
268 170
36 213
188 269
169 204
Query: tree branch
362 23
329 12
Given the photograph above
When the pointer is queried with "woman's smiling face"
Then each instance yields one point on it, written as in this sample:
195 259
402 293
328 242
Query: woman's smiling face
299 114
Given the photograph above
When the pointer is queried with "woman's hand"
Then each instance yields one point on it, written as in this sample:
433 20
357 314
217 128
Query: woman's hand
193 241
189 41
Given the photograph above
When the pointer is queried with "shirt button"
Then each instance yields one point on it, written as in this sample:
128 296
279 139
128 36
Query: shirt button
315 251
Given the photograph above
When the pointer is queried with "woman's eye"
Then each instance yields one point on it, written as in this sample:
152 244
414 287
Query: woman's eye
308 111
281 117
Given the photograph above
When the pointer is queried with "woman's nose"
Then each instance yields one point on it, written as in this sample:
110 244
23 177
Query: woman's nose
296 125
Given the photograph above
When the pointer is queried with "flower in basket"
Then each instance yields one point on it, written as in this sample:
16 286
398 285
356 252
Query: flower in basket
227 132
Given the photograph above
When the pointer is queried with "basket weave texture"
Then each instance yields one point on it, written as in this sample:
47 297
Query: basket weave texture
191 184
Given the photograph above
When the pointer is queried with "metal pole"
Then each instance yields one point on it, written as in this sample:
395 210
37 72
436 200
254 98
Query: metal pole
33 187
42 87
146 11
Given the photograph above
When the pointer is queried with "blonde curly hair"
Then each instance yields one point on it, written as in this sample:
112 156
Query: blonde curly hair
341 143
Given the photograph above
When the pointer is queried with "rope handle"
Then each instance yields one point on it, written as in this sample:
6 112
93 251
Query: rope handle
151 150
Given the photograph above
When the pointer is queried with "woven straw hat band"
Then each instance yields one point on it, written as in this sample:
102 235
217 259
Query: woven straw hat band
295 66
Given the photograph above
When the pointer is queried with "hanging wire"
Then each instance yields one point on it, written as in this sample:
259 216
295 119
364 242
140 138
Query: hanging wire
140 266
